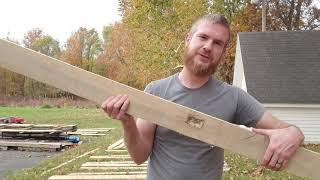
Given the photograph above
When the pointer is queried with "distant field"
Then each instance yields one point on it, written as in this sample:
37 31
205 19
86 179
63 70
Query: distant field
92 117
241 167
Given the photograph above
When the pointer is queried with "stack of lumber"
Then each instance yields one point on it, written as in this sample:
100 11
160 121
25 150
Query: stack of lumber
35 137
37 131
115 164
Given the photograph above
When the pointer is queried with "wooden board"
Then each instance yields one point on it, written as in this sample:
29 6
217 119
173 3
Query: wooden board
90 132
151 108
31 130
31 144
114 168
117 143
100 177
38 126
95 130
33 135
85 134
111 173
111 158
112 164
116 151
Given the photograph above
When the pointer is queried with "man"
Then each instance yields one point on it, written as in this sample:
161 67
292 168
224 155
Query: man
177 157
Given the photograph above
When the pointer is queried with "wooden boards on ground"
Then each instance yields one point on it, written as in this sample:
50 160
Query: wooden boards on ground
100 177
151 108
116 168
35 145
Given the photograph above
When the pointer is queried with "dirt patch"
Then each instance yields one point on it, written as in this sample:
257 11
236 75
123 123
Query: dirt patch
17 160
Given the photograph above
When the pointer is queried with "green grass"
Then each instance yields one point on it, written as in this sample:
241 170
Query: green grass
241 167
244 168
89 118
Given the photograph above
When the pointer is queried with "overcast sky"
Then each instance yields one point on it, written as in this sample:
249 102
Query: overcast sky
58 18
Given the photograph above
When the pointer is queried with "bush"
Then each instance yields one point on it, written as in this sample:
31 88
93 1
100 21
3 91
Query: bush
46 106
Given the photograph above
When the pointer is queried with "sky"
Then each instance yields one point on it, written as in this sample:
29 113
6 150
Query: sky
57 18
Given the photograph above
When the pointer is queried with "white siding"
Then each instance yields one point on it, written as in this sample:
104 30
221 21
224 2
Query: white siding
307 118
238 73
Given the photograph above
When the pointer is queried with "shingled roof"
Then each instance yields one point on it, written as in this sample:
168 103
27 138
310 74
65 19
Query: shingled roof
282 67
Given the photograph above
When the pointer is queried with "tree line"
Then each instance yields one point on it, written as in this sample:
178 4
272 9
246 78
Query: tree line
149 41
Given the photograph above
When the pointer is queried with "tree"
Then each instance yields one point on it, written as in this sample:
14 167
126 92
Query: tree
226 7
106 34
149 41
82 48
292 15
155 31
37 40
113 62
47 45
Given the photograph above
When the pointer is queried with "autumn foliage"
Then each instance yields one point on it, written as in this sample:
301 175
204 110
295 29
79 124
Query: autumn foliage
147 44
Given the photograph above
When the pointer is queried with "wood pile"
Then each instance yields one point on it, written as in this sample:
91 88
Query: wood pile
35 137
115 164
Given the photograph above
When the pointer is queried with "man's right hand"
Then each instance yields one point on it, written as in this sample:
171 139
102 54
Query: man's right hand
116 107
138 135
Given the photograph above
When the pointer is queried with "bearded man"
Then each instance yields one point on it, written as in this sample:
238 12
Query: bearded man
174 156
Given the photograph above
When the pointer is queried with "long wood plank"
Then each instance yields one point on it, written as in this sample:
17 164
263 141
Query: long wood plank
34 141
86 134
31 144
111 173
117 151
117 143
111 158
113 164
154 109
38 126
96 130
100 177
106 156
114 168
93 130
31 130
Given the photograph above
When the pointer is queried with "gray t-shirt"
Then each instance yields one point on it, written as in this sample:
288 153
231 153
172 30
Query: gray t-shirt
177 157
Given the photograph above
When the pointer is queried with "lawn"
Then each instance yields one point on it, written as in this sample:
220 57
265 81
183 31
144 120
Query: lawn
241 167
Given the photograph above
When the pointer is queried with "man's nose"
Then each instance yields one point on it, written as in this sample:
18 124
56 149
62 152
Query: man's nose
207 46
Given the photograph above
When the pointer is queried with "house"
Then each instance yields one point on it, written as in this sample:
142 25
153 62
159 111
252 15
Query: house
282 71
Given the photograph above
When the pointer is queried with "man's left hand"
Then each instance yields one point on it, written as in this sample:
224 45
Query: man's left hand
283 143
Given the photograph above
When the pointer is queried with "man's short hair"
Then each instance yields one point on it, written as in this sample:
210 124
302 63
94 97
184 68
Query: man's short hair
213 18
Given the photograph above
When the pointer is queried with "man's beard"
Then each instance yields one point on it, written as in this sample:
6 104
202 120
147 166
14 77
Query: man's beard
197 69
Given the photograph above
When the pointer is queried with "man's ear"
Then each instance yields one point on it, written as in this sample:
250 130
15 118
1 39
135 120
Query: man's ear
187 39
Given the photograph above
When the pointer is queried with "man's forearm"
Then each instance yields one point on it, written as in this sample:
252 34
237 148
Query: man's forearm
137 146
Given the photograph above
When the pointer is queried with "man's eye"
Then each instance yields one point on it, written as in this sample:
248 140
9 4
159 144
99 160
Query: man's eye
202 37
218 43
